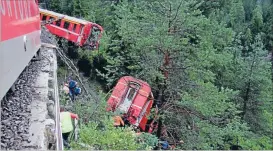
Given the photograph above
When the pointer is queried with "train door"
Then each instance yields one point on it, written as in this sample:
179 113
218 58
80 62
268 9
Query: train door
80 30
143 111
93 37
129 97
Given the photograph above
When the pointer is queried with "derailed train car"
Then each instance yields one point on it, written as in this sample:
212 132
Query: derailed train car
134 98
20 32
83 33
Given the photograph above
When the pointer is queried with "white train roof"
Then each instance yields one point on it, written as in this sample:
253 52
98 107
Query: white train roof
65 16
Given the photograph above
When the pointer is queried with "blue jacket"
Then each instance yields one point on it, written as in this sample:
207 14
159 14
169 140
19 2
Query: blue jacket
164 144
72 84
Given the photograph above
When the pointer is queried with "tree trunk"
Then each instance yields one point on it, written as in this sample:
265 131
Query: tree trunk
272 64
246 98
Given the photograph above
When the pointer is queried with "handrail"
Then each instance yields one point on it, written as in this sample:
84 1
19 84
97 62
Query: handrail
58 130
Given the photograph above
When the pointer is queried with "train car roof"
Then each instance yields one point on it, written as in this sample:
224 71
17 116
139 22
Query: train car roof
66 17
130 78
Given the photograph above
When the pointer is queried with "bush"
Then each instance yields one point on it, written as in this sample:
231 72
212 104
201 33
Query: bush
147 141
103 136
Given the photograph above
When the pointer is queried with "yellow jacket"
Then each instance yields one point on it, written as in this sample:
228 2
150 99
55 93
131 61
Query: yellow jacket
66 121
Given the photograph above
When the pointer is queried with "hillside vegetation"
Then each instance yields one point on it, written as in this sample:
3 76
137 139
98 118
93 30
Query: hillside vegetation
217 56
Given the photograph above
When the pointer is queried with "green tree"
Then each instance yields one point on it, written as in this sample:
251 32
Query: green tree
78 10
206 62
237 15
54 5
257 19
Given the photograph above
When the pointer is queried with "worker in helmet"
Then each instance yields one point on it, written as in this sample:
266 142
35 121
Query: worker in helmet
72 84
118 122
66 124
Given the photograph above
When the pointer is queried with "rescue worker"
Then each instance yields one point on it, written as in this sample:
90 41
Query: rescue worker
74 92
66 124
77 91
72 85
125 119
66 89
164 145
118 122
138 132
73 89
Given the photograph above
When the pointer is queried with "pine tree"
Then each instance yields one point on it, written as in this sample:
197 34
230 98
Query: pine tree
54 5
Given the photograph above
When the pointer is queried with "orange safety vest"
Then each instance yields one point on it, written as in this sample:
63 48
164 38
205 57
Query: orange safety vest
118 121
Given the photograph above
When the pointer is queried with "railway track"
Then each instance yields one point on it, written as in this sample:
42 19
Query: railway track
25 113
15 111
28 112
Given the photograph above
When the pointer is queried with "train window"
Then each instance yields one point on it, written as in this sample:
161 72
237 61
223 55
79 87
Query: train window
130 94
51 19
58 22
74 27
133 87
66 25
44 17
81 29
126 103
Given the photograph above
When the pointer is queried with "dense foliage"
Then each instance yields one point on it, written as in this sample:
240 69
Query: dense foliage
208 62
107 137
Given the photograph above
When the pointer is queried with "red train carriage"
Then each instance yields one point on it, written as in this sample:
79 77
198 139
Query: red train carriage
19 39
133 97
83 33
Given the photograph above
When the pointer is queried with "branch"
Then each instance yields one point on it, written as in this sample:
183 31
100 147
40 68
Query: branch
174 140
177 67
163 6
178 109
176 12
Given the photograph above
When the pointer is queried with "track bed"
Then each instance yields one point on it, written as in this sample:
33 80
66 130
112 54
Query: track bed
27 113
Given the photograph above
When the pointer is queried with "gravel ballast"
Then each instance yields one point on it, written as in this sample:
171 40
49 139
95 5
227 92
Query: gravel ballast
25 121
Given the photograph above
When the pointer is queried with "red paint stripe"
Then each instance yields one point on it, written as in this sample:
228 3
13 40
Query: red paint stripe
18 17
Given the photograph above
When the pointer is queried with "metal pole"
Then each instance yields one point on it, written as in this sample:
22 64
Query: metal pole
76 130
